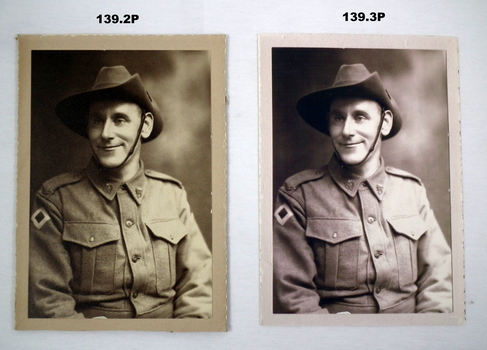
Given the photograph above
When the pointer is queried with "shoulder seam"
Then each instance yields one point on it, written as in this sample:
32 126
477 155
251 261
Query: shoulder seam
298 179
51 185
402 173
161 176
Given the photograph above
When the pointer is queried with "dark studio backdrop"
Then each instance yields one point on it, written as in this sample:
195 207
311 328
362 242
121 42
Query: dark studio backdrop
179 81
417 80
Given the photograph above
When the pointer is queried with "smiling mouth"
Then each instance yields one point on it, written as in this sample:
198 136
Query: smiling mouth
350 145
108 148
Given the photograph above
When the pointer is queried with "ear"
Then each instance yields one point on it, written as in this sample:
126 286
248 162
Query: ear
148 125
387 123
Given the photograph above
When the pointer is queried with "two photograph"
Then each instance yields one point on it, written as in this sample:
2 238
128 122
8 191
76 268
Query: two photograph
122 182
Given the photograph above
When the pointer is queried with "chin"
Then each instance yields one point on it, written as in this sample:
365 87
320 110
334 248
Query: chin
109 163
352 159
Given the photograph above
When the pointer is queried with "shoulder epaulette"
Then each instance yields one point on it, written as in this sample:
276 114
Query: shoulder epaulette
51 185
298 179
160 176
402 173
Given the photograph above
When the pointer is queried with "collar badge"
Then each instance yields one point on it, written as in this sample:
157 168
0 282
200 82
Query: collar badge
108 187
379 188
138 192
349 184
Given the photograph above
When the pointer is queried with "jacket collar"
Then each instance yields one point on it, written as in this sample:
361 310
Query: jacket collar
351 183
108 186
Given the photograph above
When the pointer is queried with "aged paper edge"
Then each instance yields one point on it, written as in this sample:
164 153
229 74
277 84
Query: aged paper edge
266 202
216 44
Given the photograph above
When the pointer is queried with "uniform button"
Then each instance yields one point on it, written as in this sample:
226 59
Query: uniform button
129 223
364 184
290 188
377 254
92 239
377 290
135 295
334 235
135 258
370 220
122 187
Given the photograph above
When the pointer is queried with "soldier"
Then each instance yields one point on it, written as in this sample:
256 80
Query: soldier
357 236
116 240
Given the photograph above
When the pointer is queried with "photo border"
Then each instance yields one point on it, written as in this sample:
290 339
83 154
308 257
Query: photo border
216 45
448 44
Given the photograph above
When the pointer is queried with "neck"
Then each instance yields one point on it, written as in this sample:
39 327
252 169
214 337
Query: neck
366 169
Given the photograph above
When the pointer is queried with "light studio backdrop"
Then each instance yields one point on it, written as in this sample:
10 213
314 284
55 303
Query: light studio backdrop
416 79
179 81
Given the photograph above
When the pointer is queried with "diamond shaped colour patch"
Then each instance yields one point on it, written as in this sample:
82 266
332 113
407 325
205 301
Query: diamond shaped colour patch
39 218
283 213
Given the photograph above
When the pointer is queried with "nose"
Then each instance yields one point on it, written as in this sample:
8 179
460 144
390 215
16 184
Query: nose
348 127
107 130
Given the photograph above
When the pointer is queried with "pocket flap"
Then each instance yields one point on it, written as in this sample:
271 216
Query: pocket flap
171 231
411 226
90 234
333 230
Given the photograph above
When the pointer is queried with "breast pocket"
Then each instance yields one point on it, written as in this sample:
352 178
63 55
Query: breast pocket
336 245
407 231
93 251
166 235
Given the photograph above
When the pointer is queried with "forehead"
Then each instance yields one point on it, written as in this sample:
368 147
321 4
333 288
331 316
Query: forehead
354 103
114 106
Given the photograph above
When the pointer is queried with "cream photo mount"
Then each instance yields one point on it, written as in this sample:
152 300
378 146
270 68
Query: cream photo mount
186 75
421 73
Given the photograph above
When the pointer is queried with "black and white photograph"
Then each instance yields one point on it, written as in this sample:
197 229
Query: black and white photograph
363 209
123 219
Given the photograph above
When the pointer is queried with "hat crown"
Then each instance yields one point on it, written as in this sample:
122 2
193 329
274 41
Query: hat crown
351 74
111 76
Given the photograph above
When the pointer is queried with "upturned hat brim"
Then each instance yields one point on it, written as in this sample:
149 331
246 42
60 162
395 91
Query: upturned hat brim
73 110
315 107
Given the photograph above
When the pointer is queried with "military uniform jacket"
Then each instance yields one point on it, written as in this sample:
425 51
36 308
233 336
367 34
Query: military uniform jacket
99 247
342 243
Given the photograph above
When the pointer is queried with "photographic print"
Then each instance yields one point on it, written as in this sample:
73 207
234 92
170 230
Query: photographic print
121 183
361 209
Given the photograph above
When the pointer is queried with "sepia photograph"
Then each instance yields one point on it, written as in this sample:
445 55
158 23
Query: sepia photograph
360 180
122 183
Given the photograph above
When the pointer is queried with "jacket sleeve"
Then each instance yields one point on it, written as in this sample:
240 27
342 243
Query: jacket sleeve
194 270
293 259
434 265
50 271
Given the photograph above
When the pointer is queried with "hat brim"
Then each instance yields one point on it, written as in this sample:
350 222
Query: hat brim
315 107
73 110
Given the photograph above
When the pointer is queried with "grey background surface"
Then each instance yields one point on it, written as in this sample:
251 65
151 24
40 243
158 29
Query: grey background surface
242 21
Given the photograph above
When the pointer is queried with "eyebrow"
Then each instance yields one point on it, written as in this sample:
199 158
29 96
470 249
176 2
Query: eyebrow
356 111
120 114
114 116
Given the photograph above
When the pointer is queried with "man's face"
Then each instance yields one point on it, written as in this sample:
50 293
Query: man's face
112 131
353 124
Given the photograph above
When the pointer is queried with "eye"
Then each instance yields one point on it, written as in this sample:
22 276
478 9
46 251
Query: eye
120 121
93 120
360 118
336 118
